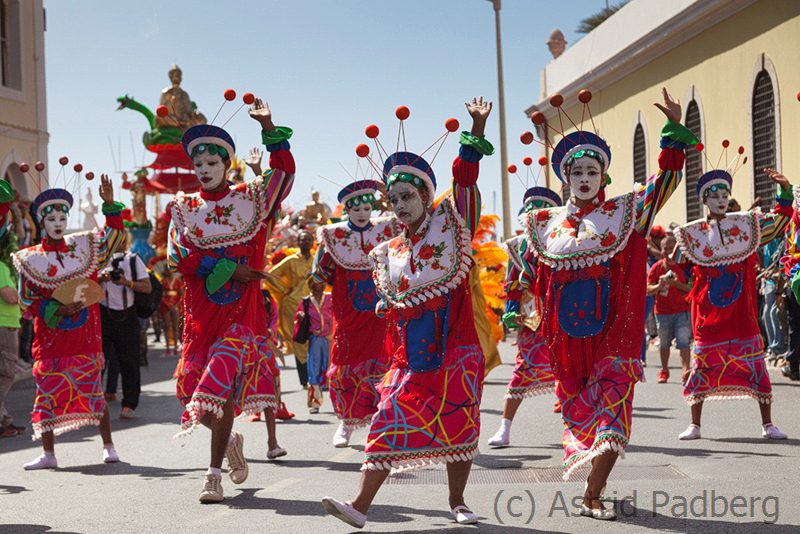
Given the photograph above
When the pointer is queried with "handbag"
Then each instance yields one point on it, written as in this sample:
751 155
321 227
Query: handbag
302 328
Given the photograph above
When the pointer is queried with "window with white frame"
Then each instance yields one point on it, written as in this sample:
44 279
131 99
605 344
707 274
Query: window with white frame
764 138
10 55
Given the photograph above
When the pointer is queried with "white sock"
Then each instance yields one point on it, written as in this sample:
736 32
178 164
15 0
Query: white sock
505 424
107 446
216 471
49 454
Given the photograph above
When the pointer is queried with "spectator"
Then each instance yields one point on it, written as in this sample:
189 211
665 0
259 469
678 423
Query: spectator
320 311
772 289
9 327
121 328
668 283
169 310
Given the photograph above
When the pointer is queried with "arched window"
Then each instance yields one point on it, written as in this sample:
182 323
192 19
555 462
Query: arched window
639 156
694 164
763 138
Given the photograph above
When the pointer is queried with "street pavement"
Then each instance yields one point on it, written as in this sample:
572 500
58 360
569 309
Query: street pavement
731 481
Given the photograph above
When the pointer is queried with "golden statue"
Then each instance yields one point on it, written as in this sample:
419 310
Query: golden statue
182 111
316 213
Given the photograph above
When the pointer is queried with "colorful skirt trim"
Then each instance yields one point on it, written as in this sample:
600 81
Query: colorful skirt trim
598 418
353 389
430 417
728 371
237 365
69 393
533 374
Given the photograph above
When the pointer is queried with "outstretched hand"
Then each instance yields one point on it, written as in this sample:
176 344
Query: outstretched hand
254 160
106 189
260 112
479 109
671 108
778 178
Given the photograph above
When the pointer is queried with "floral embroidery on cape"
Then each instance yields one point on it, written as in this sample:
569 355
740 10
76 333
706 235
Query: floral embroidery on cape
51 269
346 247
710 243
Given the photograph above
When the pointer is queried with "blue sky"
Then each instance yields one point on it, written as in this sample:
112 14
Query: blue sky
327 68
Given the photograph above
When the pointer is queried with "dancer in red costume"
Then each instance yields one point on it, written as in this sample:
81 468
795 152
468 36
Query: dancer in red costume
217 242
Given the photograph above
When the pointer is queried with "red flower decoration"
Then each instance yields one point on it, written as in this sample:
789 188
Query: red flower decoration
542 215
609 205
437 266
568 223
219 211
403 284
704 226
198 231
339 233
388 232
707 252
735 231
608 240
52 270
415 239
426 252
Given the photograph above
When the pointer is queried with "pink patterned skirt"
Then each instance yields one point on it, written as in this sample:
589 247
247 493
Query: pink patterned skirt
430 417
598 418
731 370
69 393
533 374
238 365
353 389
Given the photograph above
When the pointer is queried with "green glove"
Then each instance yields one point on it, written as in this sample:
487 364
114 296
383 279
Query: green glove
796 285
510 320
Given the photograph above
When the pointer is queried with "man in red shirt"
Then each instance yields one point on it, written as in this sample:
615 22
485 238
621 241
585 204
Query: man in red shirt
668 282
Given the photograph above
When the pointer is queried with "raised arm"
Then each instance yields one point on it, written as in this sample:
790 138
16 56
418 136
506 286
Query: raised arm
113 233
474 146
674 139
276 181
773 224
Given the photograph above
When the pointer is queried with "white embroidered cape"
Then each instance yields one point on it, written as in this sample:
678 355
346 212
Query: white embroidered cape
350 248
50 269
712 243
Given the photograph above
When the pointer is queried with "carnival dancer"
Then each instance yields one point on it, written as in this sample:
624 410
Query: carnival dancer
722 252
429 410
591 257
358 354
217 242
68 345
533 374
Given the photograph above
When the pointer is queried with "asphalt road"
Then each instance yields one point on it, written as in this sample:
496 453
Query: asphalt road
729 482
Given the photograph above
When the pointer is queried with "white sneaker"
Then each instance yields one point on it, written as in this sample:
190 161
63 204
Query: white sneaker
503 436
342 436
770 431
45 461
110 455
463 515
691 432
344 511
212 489
237 463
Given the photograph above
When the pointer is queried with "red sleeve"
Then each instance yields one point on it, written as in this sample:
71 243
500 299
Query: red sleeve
655 273
283 160
188 265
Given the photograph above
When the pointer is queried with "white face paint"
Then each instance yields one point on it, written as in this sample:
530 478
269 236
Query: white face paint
359 215
717 201
407 203
55 224
210 170
585 178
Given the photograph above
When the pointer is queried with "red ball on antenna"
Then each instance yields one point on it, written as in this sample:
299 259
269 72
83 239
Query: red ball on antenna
402 112
63 160
229 94
77 167
372 131
744 160
90 175
798 95
39 166
556 100
526 138
543 161
725 143
362 150
527 160
585 96
537 118
451 124
741 150
162 111
512 168
24 167
248 98
699 147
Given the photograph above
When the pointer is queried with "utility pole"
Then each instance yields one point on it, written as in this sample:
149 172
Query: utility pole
501 103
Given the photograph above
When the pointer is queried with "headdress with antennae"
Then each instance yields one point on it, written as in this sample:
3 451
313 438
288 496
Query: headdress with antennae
204 136
403 165
719 177
537 193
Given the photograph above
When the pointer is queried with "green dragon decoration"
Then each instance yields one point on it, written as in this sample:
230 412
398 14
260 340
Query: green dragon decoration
166 135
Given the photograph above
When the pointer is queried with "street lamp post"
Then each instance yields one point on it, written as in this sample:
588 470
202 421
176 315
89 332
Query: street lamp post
501 103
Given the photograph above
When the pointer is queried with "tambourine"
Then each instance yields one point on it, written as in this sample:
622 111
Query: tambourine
81 290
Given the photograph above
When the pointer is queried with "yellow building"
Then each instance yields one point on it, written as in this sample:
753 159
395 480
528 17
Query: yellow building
23 112
732 63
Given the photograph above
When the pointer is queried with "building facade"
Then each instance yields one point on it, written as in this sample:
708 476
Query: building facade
23 111
733 65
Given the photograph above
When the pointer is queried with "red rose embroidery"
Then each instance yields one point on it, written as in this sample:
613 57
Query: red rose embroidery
219 211
415 239
198 231
608 240
707 252
609 205
426 252
704 226
52 270
735 231
567 223
403 284
339 233
437 266
542 215
388 231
